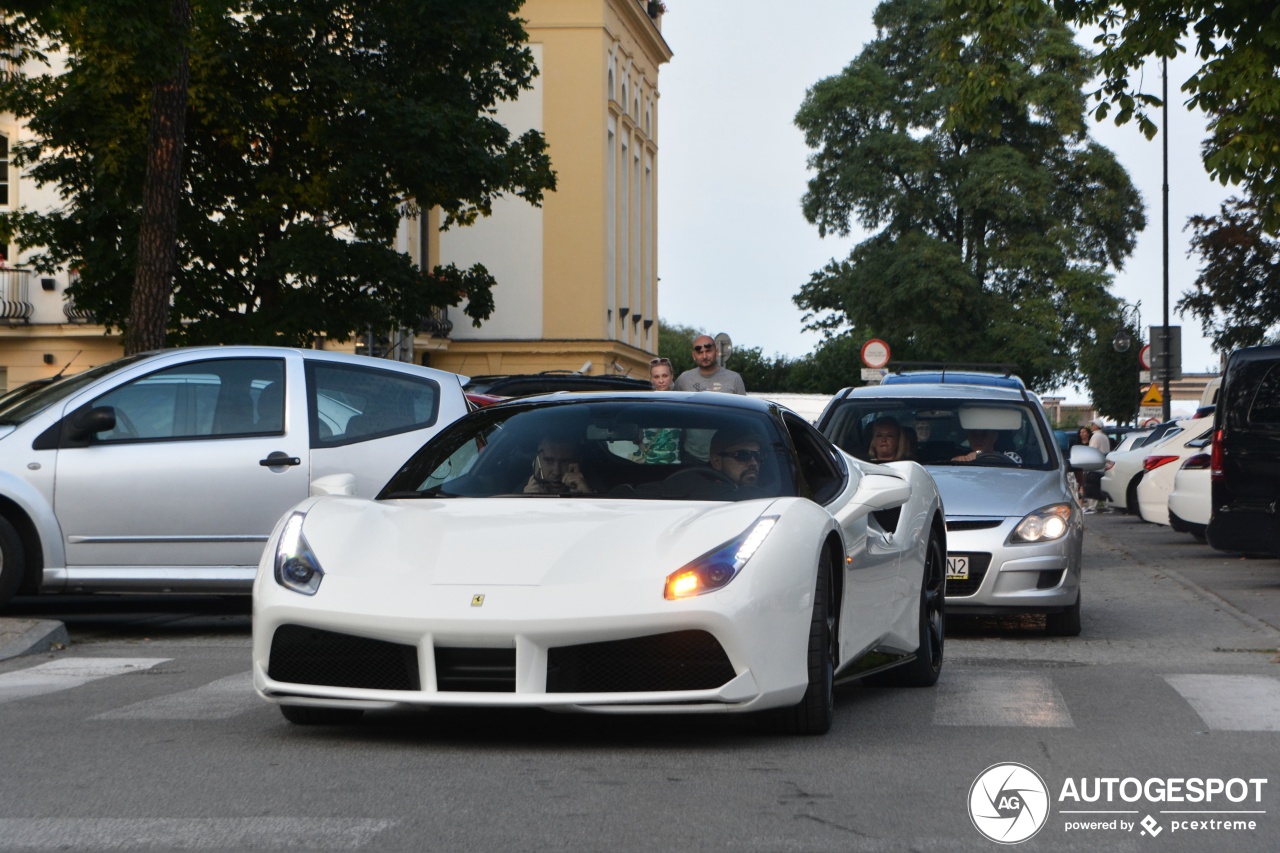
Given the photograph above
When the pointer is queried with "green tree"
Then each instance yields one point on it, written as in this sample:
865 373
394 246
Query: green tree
1237 294
311 127
1236 85
993 236
1113 376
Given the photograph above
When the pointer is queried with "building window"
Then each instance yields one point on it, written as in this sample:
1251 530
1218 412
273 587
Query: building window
4 169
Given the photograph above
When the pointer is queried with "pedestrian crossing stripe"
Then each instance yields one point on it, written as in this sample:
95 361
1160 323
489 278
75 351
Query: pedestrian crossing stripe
66 673
1232 703
216 833
217 700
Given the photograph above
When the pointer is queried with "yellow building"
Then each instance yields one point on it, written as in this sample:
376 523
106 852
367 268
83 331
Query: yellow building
577 278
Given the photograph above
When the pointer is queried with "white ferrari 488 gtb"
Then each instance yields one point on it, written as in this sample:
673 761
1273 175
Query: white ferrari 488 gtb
608 552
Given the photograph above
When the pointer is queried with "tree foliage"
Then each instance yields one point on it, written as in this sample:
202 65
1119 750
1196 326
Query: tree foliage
1237 84
312 127
1237 293
1113 376
994 232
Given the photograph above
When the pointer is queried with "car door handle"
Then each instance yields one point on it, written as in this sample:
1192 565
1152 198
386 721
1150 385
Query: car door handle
276 458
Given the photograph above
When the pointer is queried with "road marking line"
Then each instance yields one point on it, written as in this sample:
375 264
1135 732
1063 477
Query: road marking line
1001 699
67 673
1232 703
216 700
306 833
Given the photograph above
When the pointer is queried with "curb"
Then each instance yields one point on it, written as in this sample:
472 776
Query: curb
30 636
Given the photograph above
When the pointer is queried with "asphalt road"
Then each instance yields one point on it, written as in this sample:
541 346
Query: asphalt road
145 734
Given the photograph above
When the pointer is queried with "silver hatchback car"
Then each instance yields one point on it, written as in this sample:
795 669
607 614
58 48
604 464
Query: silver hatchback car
166 471
1014 524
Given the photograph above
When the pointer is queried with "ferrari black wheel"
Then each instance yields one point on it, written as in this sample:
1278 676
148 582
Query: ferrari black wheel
1065 623
308 715
924 670
813 714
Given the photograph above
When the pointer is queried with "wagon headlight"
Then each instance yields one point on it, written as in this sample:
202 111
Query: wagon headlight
718 566
296 566
1043 525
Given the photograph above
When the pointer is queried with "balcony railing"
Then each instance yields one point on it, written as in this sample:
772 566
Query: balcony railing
15 300
77 315
437 324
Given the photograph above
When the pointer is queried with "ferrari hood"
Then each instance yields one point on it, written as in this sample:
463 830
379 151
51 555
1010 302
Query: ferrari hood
519 541
995 491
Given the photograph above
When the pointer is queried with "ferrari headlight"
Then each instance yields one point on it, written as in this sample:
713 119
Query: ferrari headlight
296 566
1044 525
717 567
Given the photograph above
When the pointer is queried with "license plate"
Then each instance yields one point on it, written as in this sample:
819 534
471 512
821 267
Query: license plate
957 568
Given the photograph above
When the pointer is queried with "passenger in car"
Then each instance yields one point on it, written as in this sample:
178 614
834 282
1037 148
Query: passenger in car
890 442
983 441
557 469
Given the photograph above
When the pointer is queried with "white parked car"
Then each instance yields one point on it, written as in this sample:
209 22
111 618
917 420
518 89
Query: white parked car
1162 463
575 552
1190 501
166 471
1124 469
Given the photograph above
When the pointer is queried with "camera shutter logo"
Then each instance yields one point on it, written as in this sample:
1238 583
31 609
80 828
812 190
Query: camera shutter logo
1008 803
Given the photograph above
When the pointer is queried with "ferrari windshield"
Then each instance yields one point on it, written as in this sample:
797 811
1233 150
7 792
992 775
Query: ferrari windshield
637 448
944 431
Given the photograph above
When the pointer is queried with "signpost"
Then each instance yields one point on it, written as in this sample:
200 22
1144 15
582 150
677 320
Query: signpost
875 355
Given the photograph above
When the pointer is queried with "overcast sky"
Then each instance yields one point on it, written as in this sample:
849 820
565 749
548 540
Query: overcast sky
733 245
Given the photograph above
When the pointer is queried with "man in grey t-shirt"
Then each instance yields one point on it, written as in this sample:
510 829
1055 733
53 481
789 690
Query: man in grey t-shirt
708 375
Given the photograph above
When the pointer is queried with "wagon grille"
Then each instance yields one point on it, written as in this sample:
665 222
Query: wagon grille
301 655
978 564
683 660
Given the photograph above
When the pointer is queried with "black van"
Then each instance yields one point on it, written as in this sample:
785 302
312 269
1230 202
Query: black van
1245 463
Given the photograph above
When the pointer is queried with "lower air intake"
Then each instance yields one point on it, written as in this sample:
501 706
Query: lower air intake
682 660
301 655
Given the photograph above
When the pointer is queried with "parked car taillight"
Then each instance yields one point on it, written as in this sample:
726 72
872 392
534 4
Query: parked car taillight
1215 461
1110 465
1153 462
1198 462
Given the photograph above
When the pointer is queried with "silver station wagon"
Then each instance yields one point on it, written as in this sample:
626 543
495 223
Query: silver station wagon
1014 524
167 471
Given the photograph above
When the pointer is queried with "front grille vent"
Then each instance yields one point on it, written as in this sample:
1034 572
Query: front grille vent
681 660
471 670
978 564
301 655
974 524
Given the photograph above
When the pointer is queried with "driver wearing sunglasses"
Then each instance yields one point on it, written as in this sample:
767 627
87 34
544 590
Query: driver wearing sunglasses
738 455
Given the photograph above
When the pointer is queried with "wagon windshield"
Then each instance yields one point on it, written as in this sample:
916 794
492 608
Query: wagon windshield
639 448
946 431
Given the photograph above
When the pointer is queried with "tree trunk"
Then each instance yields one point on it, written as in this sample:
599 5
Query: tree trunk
161 193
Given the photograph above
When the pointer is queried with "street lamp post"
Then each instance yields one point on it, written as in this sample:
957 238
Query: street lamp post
1130 317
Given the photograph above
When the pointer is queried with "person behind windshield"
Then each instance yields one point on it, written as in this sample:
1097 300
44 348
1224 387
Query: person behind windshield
889 441
556 469
737 454
984 441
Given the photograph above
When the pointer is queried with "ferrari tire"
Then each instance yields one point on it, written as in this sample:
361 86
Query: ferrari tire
1065 623
813 714
13 561
924 670
308 715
